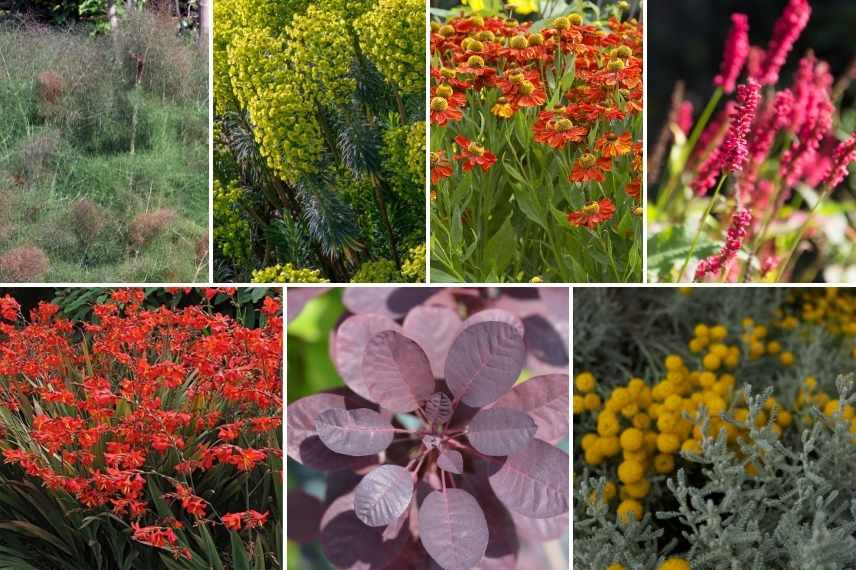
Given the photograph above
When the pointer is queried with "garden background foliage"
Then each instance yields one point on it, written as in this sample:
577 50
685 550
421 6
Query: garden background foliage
758 385
319 141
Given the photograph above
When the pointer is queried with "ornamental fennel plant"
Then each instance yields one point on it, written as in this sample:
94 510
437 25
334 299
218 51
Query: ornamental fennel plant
535 145
435 453
319 141
757 189
722 434
141 435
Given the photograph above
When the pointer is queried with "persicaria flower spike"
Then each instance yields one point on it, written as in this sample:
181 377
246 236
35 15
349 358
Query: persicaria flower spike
788 28
737 232
735 148
844 154
736 52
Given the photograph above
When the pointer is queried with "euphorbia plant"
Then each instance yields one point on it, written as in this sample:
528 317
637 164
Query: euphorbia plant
452 461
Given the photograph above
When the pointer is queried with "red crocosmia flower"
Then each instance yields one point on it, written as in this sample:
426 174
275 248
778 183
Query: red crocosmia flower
592 214
160 537
245 519
255 519
473 154
443 112
232 521
557 131
9 308
590 168
157 536
440 167
246 459
613 145
634 189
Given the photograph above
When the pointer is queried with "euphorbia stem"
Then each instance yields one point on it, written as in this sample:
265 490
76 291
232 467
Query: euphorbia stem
701 228
784 267
381 205
700 125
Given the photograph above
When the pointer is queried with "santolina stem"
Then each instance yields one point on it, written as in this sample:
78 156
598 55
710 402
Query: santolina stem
701 227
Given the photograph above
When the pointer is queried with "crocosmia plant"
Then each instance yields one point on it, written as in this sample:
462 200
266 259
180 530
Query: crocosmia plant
536 156
454 461
750 186
141 438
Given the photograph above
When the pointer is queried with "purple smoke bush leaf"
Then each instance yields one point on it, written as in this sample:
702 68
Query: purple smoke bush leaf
383 495
396 372
545 399
534 481
484 362
354 432
465 468
438 408
451 461
500 431
453 529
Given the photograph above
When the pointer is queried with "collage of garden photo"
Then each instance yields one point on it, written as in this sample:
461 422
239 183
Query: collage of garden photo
427 285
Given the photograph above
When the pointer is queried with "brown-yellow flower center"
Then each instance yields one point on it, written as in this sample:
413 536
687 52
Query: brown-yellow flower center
475 45
518 42
612 137
439 104
516 76
477 21
591 208
486 36
446 31
535 39
475 148
448 72
575 19
562 125
615 65
561 23
623 52
527 87
475 61
445 91
435 26
587 160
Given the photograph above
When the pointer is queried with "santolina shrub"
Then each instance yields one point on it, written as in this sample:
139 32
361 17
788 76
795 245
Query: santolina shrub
437 453
715 429
154 432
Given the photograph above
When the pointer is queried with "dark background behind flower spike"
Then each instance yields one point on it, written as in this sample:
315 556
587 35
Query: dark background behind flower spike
686 39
